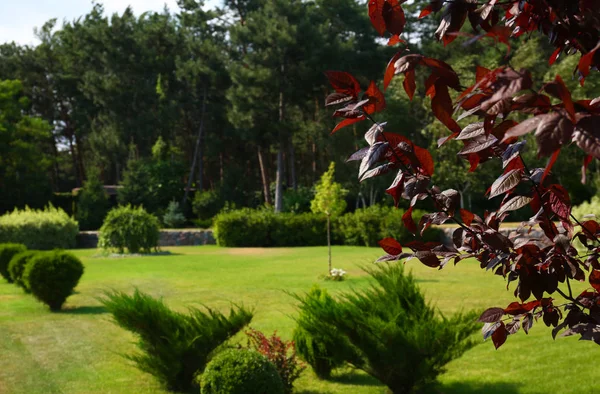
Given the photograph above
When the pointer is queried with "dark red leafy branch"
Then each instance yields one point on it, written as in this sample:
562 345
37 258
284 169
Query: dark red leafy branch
494 104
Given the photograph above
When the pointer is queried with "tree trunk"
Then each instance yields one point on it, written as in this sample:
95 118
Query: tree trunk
293 180
196 149
279 177
279 181
329 242
79 161
221 167
314 162
264 176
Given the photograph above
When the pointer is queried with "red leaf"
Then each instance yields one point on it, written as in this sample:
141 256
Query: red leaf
390 70
441 104
514 308
585 64
491 315
428 258
391 246
474 161
347 122
409 83
408 221
425 160
444 71
376 15
343 82
426 11
467 216
396 188
395 39
595 280
555 55
499 336
559 89
560 202
393 15
550 164
376 99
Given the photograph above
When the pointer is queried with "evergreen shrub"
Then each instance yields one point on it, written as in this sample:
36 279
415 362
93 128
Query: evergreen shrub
399 338
174 347
52 276
17 265
7 252
131 229
240 371
50 228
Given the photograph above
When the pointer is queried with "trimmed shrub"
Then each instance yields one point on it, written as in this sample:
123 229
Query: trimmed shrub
282 354
248 227
239 371
52 276
173 217
17 265
46 229
400 339
264 228
366 227
323 351
174 346
129 228
7 252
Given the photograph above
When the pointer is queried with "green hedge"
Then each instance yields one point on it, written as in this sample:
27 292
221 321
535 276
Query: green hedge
130 228
247 227
50 228
264 228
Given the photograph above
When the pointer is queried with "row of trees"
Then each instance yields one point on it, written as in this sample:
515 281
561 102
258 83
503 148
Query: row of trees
232 97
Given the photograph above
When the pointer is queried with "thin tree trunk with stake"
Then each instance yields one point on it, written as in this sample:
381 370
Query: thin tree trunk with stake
329 241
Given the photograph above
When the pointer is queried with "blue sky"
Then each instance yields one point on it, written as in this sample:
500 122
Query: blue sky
18 18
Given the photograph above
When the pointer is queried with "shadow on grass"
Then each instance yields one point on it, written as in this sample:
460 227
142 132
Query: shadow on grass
85 310
355 379
473 388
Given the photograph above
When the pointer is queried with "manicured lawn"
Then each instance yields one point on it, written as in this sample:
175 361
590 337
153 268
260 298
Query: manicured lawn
79 350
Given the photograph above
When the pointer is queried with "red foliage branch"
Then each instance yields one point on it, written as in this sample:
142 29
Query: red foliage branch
538 266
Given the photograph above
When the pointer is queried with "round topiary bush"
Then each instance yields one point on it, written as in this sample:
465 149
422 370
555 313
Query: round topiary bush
52 276
240 372
129 228
17 265
7 252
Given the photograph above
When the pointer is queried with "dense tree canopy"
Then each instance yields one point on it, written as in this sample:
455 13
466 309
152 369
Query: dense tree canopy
237 95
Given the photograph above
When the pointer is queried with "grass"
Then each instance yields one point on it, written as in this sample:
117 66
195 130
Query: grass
80 351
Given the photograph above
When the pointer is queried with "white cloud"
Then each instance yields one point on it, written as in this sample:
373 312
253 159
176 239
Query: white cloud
19 18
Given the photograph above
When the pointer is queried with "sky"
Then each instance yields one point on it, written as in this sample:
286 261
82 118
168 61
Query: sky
18 18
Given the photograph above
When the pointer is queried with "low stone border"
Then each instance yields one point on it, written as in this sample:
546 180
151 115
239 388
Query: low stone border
89 239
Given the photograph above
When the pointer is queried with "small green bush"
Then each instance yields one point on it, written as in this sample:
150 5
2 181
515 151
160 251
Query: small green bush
174 346
173 217
52 276
46 229
400 339
17 265
7 252
238 371
129 228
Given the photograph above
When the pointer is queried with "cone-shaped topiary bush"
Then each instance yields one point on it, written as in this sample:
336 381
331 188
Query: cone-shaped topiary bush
7 252
174 346
52 276
240 371
17 265
400 338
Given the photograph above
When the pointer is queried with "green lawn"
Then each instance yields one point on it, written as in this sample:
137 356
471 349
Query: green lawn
79 350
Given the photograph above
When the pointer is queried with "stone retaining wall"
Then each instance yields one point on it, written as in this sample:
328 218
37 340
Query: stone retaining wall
89 239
